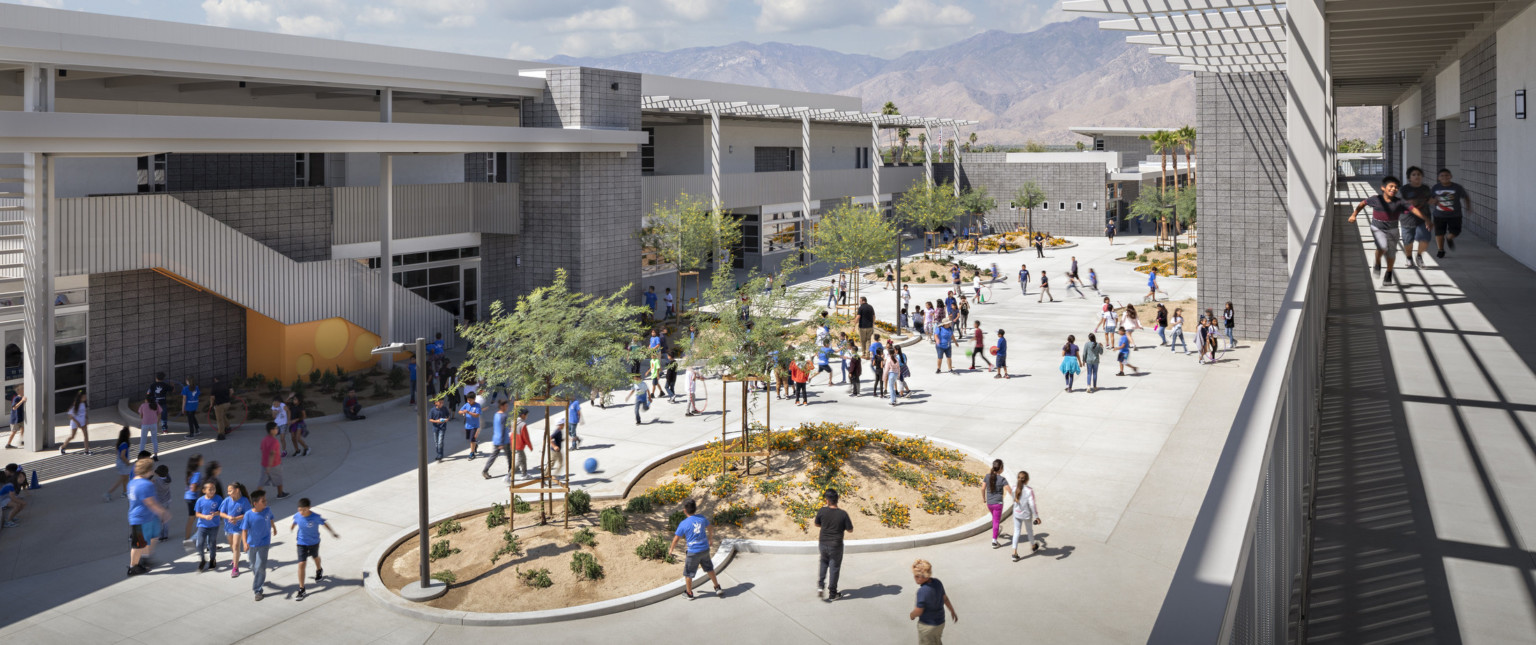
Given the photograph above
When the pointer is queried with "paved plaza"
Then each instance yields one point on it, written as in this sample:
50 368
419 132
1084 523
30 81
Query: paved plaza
1119 475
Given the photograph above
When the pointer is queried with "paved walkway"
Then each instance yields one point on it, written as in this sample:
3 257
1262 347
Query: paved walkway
1426 492
1119 474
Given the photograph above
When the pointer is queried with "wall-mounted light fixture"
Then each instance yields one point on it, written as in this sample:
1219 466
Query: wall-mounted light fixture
1426 128
730 149
1519 104
1471 117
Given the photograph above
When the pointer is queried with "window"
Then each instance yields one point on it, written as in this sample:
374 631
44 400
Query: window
1079 206
70 350
1062 206
1098 143
1045 206
648 152
300 170
775 159
861 158
152 174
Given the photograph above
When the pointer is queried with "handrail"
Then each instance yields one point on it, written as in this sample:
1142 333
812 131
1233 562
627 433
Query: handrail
1243 562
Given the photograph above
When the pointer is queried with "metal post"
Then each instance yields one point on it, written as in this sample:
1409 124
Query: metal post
38 305
956 129
421 458
386 259
928 158
1175 237
386 105
876 162
714 158
805 166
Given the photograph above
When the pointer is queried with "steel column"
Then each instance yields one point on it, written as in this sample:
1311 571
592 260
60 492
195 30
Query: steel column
805 166
386 105
37 307
928 157
386 259
875 161
956 128
714 158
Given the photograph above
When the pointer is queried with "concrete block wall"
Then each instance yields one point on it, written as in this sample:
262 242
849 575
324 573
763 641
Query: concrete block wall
142 322
1062 182
1432 151
1391 152
297 222
1135 148
228 171
1479 172
1242 191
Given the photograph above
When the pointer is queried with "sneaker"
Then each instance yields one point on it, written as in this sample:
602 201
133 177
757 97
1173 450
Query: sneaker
234 571
1386 279
284 495
11 524
1420 258
106 497
319 573
136 570
301 594
202 565
1015 557
258 596
1409 264
285 453
1451 243
485 474
1440 253
306 451
61 450
820 591
1376 270
833 596
688 593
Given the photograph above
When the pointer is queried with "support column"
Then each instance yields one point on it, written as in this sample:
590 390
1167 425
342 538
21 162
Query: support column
805 166
928 157
875 161
1308 132
386 259
387 105
37 274
956 128
714 158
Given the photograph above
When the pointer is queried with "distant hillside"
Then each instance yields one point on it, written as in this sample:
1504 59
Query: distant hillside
1020 87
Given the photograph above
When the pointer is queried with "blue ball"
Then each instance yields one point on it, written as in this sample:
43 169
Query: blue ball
590 465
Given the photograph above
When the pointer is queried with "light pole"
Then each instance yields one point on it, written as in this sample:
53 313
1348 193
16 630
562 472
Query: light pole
429 588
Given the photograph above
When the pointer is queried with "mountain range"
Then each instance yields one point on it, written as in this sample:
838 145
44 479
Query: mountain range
1019 87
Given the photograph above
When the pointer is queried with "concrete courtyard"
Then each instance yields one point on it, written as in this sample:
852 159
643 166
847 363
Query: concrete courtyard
1119 475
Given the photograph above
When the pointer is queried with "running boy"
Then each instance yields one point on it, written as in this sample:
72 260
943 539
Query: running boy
1386 209
308 523
697 534
471 412
1449 203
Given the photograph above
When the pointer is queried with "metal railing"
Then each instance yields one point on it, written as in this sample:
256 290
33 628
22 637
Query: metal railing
747 189
423 210
134 232
1242 574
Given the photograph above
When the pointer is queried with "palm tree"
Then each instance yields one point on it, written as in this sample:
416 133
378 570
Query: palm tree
922 142
1186 136
971 143
1162 144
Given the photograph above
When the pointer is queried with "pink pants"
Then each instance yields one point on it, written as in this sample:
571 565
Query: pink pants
997 518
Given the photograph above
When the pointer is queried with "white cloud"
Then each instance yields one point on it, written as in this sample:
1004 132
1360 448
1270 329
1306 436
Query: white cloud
924 13
604 43
237 13
519 51
794 15
46 4
309 26
456 21
602 19
379 16
695 9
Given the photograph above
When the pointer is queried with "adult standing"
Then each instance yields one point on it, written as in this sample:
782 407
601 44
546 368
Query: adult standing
145 516
1039 245
866 323
1450 202
222 396
438 416
931 603
160 391
834 523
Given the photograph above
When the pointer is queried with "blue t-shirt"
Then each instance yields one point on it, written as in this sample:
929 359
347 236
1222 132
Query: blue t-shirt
930 598
5 492
194 487
191 394
1002 347
945 335
258 527
309 528
439 415
234 508
499 429
1152 279
655 342
471 412
650 299
1023 277
950 303
824 356
876 347
693 530
412 369
140 489
207 507
573 413
1125 343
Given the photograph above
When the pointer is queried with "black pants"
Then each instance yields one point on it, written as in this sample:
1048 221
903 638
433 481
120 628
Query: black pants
800 394
1039 250
878 386
831 562
192 427
853 377
981 354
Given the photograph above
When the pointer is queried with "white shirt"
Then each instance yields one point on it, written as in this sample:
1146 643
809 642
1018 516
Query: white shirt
1024 505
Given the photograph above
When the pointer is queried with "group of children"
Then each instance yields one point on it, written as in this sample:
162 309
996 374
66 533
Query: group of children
246 519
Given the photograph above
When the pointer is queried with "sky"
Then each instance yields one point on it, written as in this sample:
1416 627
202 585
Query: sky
539 29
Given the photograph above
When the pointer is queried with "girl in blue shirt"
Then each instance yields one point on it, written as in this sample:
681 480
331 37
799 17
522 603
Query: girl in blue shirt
194 490
189 394
233 511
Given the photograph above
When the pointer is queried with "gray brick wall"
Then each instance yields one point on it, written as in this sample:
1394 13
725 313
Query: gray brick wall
1062 182
297 222
227 171
1391 152
142 322
580 210
1432 151
1479 172
1135 148
1242 193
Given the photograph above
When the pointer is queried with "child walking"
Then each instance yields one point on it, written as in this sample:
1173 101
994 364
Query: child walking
1025 514
257 527
206 511
233 510
308 524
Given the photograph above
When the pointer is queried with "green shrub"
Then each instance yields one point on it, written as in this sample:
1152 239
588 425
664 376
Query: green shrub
879 272
510 546
440 549
497 516
655 548
614 521
328 382
1183 246
446 576
536 578
448 527
725 485
298 386
585 566
921 280
314 377
674 519
578 502
641 504
733 514
1130 255
1141 258
933 274
520 506
585 537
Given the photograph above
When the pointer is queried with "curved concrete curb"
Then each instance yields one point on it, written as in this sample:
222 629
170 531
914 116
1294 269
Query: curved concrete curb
723 557
132 416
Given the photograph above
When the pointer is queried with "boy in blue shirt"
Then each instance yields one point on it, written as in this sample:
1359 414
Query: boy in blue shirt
438 416
1024 279
145 515
500 440
945 337
206 508
471 412
573 419
308 523
1002 356
697 534
257 527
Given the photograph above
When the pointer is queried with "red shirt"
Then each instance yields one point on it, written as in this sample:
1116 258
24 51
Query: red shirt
521 441
271 452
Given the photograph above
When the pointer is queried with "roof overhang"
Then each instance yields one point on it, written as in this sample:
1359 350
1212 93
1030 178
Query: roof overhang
1223 36
135 134
747 109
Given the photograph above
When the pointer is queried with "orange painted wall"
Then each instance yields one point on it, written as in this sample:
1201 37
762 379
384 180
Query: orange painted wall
288 351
